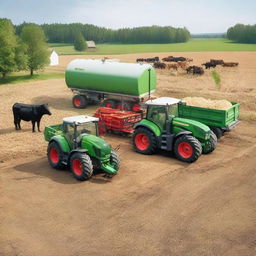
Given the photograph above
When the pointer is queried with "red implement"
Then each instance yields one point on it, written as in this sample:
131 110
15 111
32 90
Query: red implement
116 120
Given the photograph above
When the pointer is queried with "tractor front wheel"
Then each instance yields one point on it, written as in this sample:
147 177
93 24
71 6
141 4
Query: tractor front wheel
217 131
211 144
81 166
144 141
55 155
114 160
187 148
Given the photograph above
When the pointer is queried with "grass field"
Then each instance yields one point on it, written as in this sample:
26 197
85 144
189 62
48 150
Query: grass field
194 45
24 78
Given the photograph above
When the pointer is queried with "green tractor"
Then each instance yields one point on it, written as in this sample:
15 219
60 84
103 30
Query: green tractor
75 143
162 129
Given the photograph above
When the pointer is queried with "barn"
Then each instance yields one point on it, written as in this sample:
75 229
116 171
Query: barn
54 59
91 45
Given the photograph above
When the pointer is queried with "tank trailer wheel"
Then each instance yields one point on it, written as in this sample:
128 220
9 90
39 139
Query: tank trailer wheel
109 103
187 148
55 155
125 106
81 166
217 131
114 160
144 141
211 144
79 101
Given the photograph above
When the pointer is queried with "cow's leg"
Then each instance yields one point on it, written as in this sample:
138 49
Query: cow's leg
33 126
38 125
19 127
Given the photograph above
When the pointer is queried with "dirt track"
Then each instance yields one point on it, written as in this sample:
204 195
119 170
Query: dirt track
156 205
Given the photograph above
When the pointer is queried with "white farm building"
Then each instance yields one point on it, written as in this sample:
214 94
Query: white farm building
54 59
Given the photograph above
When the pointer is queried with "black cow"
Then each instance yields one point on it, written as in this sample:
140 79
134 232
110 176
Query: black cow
195 70
209 65
28 113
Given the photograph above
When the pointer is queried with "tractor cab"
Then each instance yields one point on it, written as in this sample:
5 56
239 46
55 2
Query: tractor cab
161 111
77 126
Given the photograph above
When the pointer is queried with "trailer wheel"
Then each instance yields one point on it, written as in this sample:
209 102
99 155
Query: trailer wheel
144 141
123 106
114 160
80 101
218 132
109 103
55 155
81 166
211 145
187 148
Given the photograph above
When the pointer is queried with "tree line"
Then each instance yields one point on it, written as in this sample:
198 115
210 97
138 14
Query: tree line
66 33
242 33
28 51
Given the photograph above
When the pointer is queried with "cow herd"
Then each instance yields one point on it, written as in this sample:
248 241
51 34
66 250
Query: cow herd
175 63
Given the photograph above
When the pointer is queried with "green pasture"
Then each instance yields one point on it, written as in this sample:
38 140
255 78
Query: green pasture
194 45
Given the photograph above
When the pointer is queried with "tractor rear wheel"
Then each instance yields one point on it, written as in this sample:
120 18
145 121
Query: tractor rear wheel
217 131
114 160
144 141
55 155
187 148
211 145
80 101
81 166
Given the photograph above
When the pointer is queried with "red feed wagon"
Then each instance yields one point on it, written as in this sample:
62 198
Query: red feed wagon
116 120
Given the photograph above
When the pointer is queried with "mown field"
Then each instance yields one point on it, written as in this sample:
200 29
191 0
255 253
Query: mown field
194 45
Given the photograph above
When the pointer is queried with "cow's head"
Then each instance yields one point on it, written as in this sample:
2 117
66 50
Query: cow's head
45 109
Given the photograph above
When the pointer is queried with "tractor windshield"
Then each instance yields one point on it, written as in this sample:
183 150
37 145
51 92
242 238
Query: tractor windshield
173 110
89 128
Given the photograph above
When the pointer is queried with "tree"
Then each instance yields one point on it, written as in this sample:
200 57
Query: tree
37 49
79 43
7 47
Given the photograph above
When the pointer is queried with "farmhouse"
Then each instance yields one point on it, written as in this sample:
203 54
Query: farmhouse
54 59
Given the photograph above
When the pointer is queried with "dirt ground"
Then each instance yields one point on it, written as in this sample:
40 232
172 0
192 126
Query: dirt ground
156 205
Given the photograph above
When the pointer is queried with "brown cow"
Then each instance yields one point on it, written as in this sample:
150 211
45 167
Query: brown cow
172 66
182 64
160 65
230 64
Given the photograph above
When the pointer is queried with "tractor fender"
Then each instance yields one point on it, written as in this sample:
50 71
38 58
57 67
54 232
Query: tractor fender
62 142
72 152
183 133
150 126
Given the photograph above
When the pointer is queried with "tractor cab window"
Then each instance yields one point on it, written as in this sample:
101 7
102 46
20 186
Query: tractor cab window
157 114
173 110
88 128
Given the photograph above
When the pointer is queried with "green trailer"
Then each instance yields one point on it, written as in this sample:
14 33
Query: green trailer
219 121
118 85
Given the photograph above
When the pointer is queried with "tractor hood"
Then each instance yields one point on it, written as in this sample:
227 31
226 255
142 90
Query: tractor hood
198 129
96 146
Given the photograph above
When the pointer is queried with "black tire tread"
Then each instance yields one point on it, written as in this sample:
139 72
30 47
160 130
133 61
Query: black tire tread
83 99
152 138
60 164
217 131
86 163
114 159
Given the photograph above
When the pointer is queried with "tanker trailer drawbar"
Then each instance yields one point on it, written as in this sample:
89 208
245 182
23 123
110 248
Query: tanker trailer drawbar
118 85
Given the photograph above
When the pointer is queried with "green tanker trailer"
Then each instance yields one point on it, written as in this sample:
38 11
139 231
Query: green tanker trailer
116 84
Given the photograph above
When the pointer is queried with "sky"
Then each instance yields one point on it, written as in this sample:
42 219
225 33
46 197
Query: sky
199 16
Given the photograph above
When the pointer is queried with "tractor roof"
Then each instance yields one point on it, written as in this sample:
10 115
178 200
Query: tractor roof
163 101
80 119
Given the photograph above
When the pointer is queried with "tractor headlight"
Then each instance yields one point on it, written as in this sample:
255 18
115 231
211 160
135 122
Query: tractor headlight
207 136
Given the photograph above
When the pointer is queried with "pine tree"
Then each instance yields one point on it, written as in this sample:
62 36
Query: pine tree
79 43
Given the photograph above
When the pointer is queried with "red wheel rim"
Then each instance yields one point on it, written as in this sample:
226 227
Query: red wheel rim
136 107
108 105
142 141
77 167
77 102
121 107
185 149
54 155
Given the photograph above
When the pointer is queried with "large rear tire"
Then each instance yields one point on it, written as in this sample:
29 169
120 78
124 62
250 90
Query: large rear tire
114 160
81 166
211 145
55 155
187 148
80 101
144 141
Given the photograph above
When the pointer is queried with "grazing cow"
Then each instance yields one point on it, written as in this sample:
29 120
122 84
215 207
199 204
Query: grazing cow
189 59
209 65
195 70
140 60
172 66
230 64
182 64
160 65
217 62
148 59
28 113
